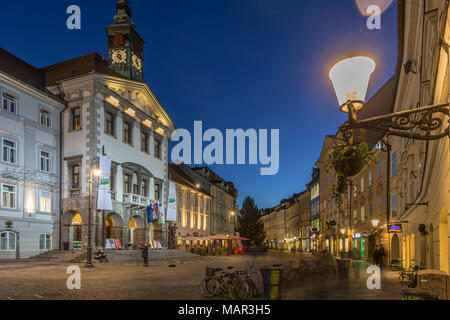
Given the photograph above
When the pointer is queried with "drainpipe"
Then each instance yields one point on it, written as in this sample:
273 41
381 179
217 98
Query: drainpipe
61 165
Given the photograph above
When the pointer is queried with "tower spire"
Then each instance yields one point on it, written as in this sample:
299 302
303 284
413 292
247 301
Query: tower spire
123 12
125 45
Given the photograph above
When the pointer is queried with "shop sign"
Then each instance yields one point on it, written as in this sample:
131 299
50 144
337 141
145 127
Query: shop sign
395 228
357 236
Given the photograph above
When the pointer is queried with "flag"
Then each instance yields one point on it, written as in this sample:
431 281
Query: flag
104 190
172 203
155 209
149 214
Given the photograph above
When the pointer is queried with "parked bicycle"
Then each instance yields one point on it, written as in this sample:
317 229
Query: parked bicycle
218 282
246 276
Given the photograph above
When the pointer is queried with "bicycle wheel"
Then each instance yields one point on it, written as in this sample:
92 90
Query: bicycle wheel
238 290
253 291
208 287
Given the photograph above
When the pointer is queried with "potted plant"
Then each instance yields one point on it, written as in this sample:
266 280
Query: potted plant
349 160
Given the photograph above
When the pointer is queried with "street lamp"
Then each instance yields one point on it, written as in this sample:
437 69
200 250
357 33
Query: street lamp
95 172
350 78
234 222
375 223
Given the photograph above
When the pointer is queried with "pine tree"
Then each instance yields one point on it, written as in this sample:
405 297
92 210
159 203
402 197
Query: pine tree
250 224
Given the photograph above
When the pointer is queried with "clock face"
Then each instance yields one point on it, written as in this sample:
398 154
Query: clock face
119 56
137 63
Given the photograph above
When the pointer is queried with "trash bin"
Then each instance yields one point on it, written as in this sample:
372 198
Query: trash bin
66 246
343 268
272 280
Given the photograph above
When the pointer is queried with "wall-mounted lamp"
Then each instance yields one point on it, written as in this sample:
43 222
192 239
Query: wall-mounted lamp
113 101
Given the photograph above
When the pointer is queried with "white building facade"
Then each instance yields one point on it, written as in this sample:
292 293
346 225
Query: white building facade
29 164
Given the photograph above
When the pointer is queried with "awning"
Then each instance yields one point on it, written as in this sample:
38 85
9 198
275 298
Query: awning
225 237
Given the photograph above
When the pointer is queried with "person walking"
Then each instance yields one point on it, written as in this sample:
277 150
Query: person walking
145 254
381 256
376 255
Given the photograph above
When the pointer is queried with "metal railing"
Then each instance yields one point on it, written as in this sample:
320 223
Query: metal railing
137 200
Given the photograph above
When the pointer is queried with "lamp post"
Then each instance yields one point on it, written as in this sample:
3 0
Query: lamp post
234 222
350 78
95 171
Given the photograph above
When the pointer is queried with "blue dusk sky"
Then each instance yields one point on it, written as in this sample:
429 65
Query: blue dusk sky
259 64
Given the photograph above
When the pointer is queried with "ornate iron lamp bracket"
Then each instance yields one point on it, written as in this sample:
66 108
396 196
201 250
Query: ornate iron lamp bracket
417 124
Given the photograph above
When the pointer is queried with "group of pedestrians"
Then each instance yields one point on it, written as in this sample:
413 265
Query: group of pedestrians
378 256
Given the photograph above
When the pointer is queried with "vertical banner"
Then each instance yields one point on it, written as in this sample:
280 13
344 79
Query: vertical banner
172 203
104 189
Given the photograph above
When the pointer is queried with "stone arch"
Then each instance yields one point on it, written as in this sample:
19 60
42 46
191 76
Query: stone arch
114 227
431 245
136 231
395 247
404 260
72 230
408 252
443 240
412 249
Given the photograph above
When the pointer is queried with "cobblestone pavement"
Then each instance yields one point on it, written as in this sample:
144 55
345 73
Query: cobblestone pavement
130 280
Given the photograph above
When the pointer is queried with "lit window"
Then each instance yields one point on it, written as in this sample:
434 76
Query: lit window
45 201
45 242
363 213
46 118
7 241
9 102
8 196
45 163
9 151
362 184
76 119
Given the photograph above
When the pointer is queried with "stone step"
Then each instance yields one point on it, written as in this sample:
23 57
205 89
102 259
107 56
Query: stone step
153 255
60 256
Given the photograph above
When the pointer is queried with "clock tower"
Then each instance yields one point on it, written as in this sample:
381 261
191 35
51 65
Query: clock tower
125 45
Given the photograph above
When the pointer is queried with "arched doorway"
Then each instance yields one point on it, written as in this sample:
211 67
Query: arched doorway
443 240
77 223
137 231
114 227
71 231
404 260
408 252
395 247
412 249
431 244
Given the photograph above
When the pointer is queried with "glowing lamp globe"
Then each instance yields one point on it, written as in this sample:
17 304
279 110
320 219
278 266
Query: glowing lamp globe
97 172
375 223
350 78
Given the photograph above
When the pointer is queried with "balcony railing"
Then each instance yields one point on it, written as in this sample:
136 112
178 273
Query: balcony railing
135 200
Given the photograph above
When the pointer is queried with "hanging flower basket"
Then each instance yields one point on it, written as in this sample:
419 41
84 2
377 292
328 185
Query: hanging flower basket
349 160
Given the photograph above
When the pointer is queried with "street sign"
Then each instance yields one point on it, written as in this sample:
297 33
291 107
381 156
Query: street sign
395 228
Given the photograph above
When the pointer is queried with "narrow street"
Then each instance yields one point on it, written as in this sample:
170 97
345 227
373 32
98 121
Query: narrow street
162 281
